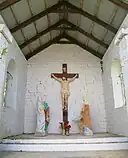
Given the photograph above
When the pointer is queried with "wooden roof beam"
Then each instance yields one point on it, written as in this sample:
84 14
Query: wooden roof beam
41 48
120 4
37 17
7 3
89 35
57 39
52 27
73 27
73 40
91 17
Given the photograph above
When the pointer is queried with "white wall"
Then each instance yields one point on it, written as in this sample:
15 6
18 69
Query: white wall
39 81
12 116
117 118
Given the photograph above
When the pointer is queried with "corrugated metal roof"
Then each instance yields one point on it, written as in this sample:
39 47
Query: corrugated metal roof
88 16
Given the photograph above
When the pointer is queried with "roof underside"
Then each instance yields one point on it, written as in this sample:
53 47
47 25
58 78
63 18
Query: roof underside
37 24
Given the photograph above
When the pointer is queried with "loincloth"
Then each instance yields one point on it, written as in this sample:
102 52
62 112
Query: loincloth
65 92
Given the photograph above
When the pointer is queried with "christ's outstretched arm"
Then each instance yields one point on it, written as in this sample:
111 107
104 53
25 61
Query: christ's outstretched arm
73 78
56 78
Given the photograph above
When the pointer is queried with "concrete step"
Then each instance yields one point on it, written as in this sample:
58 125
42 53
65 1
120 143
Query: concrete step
65 141
90 144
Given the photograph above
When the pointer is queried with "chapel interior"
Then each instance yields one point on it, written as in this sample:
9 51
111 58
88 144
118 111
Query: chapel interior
63 69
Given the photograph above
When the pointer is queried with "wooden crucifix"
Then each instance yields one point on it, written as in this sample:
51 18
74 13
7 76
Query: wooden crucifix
65 78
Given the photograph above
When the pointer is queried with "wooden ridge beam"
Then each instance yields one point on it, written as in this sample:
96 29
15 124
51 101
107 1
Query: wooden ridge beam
41 48
97 54
89 35
7 3
120 4
52 27
91 17
36 17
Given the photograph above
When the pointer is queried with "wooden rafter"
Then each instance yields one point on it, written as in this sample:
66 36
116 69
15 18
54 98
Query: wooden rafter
46 45
72 27
37 17
91 17
57 40
120 4
7 3
52 27
87 48
71 8
89 35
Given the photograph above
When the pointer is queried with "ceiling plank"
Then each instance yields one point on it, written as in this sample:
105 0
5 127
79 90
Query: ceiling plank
89 35
120 4
41 48
91 17
36 17
52 27
73 27
97 54
7 3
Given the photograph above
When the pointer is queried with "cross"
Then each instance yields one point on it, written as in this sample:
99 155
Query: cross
66 75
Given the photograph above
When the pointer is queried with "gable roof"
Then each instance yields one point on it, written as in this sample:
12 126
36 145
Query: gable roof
37 24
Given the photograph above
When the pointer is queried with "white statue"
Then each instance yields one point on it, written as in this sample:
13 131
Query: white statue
43 116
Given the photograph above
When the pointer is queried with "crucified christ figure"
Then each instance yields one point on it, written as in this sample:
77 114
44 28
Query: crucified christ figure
64 89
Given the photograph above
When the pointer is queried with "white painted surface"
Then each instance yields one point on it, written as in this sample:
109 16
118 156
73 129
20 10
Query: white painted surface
116 73
11 87
39 81
65 141
64 147
117 119
12 116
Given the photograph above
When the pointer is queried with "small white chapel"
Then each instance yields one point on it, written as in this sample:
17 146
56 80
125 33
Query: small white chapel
64 62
